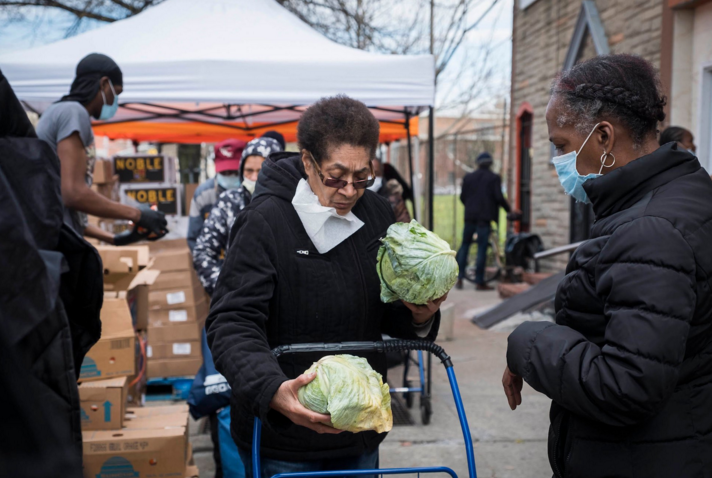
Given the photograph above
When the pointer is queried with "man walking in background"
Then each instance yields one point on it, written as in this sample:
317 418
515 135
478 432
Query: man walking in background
482 196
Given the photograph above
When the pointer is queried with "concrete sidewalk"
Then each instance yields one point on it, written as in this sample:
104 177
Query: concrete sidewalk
507 444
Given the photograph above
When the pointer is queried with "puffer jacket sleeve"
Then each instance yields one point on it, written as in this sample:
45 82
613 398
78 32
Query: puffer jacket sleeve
239 312
213 238
208 247
645 276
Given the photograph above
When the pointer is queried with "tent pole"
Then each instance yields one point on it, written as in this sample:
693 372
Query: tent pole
410 162
431 168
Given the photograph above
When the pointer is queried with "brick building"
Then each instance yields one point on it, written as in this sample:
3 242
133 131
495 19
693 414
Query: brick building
551 35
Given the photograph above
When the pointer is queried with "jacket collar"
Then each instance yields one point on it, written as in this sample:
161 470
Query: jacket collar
280 176
623 187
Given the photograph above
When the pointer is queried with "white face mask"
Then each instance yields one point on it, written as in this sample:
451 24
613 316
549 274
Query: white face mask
249 184
325 227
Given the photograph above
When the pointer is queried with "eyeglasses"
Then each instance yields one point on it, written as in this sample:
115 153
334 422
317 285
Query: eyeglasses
340 183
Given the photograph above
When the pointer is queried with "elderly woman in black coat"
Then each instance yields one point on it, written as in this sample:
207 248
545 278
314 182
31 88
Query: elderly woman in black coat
305 271
628 363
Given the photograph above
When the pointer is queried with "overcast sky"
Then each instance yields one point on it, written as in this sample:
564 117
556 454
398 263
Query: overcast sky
493 32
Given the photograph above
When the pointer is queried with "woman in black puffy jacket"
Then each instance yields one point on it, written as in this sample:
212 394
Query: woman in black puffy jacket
628 363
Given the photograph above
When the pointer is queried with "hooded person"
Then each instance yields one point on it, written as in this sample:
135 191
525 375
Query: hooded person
211 245
227 166
66 126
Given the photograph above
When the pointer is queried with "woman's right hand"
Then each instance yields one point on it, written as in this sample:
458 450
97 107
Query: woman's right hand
285 401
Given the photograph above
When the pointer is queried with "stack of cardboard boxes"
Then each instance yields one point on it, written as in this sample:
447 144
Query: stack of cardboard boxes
117 439
178 307
153 442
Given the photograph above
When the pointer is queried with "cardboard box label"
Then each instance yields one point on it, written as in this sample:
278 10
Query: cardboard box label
149 351
178 315
164 198
181 349
175 298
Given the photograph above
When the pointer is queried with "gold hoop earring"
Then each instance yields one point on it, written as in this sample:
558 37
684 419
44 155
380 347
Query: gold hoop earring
604 156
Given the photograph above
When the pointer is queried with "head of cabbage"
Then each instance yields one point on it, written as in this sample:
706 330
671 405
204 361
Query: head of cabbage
348 389
415 265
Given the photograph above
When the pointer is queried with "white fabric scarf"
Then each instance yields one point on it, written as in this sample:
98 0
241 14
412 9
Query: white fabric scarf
325 227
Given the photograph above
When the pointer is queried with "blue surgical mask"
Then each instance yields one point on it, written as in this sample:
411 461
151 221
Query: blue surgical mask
569 176
108 111
228 182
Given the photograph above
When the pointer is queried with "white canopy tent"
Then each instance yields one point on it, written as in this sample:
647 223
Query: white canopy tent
226 67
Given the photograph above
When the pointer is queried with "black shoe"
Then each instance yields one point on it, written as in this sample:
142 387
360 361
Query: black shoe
483 287
458 286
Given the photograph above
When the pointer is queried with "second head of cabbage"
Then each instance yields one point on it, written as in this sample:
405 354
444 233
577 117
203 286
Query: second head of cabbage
348 389
415 265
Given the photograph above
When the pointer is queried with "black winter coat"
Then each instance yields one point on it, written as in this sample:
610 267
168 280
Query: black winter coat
628 364
276 289
482 196
50 295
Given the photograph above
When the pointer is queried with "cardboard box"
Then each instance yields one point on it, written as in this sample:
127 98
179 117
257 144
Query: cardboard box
171 417
136 453
176 298
103 172
164 317
187 349
115 353
126 276
175 259
173 367
103 404
183 332
161 245
176 279
155 168
149 412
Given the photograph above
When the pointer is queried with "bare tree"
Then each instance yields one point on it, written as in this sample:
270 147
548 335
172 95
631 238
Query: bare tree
100 10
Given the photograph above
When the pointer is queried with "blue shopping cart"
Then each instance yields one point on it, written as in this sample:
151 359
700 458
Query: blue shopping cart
409 390
394 345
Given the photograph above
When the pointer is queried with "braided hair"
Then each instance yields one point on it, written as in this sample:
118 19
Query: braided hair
622 87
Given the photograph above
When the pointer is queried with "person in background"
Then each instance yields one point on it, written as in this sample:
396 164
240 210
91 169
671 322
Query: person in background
211 245
681 136
227 167
391 189
482 196
276 135
66 126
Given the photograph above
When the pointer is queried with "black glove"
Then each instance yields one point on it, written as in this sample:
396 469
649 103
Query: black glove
129 237
154 222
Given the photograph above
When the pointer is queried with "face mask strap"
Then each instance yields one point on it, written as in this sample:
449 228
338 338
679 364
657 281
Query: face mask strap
587 138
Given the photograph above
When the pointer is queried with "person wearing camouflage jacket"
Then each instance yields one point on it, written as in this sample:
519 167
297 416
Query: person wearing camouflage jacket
211 244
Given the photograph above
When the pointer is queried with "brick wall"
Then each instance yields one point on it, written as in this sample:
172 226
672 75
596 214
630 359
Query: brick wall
542 34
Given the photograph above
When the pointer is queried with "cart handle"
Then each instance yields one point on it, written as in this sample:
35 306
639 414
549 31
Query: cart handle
382 346
393 345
